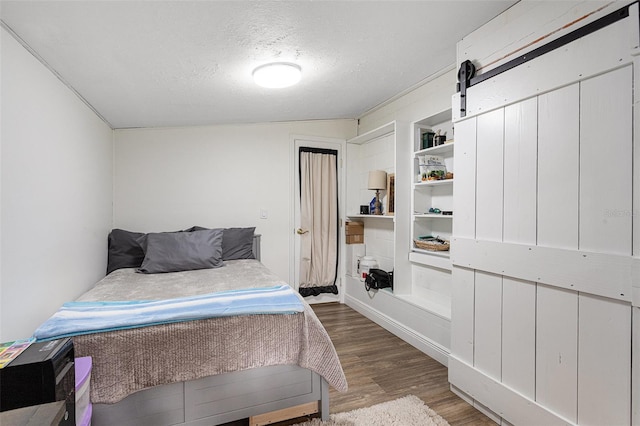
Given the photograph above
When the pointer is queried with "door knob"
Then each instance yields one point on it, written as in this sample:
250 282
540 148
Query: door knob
301 231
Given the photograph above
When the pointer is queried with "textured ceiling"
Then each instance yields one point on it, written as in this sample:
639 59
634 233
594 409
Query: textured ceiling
182 63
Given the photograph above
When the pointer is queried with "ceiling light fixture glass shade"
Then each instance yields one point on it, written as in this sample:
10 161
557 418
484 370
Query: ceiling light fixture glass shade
277 75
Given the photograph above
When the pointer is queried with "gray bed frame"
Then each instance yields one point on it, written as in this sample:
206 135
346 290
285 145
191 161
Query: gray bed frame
218 399
221 398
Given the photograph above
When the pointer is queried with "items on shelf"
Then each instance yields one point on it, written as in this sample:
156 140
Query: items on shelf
365 264
378 279
377 182
432 167
431 243
426 138
431 139
433 211
439 139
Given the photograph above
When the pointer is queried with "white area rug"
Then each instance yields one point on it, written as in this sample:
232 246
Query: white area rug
407 411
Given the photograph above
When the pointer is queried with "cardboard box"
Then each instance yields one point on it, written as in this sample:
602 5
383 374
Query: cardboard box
354 228
355 239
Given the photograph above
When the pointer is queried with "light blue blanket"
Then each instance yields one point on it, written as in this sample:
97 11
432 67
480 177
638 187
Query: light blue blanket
76 318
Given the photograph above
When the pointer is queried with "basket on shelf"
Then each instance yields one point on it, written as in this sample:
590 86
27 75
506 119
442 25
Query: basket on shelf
431 243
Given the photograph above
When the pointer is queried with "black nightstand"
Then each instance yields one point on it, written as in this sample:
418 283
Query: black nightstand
50 414
43 373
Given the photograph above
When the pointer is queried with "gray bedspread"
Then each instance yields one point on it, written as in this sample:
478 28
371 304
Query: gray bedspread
127 361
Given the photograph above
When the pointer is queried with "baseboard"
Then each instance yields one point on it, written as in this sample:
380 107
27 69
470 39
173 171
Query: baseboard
415 339
498 399
475 404
488 412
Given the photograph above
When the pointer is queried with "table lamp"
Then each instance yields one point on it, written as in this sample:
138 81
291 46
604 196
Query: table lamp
377 181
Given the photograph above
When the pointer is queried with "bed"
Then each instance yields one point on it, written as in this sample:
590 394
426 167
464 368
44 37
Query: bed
212 370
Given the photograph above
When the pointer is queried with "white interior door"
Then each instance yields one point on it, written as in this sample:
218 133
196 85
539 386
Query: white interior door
323 143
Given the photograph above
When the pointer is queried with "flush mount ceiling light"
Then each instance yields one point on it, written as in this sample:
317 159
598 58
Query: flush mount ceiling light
277 75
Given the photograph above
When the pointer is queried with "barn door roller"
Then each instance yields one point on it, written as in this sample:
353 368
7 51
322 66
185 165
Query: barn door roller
466 72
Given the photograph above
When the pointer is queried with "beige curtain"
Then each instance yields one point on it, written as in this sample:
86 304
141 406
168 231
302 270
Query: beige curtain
318 222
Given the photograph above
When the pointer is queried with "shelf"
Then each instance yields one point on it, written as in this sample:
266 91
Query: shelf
371 216
442 182
437 304
440 149
373 134
432 193
429 301
436 119
436 259
429 252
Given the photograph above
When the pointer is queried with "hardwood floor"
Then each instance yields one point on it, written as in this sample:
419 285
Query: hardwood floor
381 367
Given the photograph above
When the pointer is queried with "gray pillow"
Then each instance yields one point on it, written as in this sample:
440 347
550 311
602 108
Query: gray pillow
237 243
182 251
124 250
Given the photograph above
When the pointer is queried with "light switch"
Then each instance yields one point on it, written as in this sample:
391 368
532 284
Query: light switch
264 214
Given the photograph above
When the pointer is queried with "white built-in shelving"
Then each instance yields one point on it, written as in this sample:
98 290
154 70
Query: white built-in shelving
432 194
431 270
373 150
418 308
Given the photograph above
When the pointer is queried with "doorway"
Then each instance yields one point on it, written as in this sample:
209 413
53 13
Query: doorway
317 256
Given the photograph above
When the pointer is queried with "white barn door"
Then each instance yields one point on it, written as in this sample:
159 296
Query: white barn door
543 307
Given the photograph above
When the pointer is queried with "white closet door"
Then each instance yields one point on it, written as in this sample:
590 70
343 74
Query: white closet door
488 324
557 350
520 172
519 335
606 163
464 188
542 270
489 168
558 162
604 367
462 313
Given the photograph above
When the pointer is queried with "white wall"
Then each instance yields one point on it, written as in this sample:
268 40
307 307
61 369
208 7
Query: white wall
56 176
214 176
427 100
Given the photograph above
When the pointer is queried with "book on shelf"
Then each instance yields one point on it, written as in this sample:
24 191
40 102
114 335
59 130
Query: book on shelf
432 168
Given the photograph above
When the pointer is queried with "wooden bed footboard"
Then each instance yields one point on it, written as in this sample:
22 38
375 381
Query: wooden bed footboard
284 414
218 399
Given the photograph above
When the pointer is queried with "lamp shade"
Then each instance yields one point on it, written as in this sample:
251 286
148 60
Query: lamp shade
377 179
